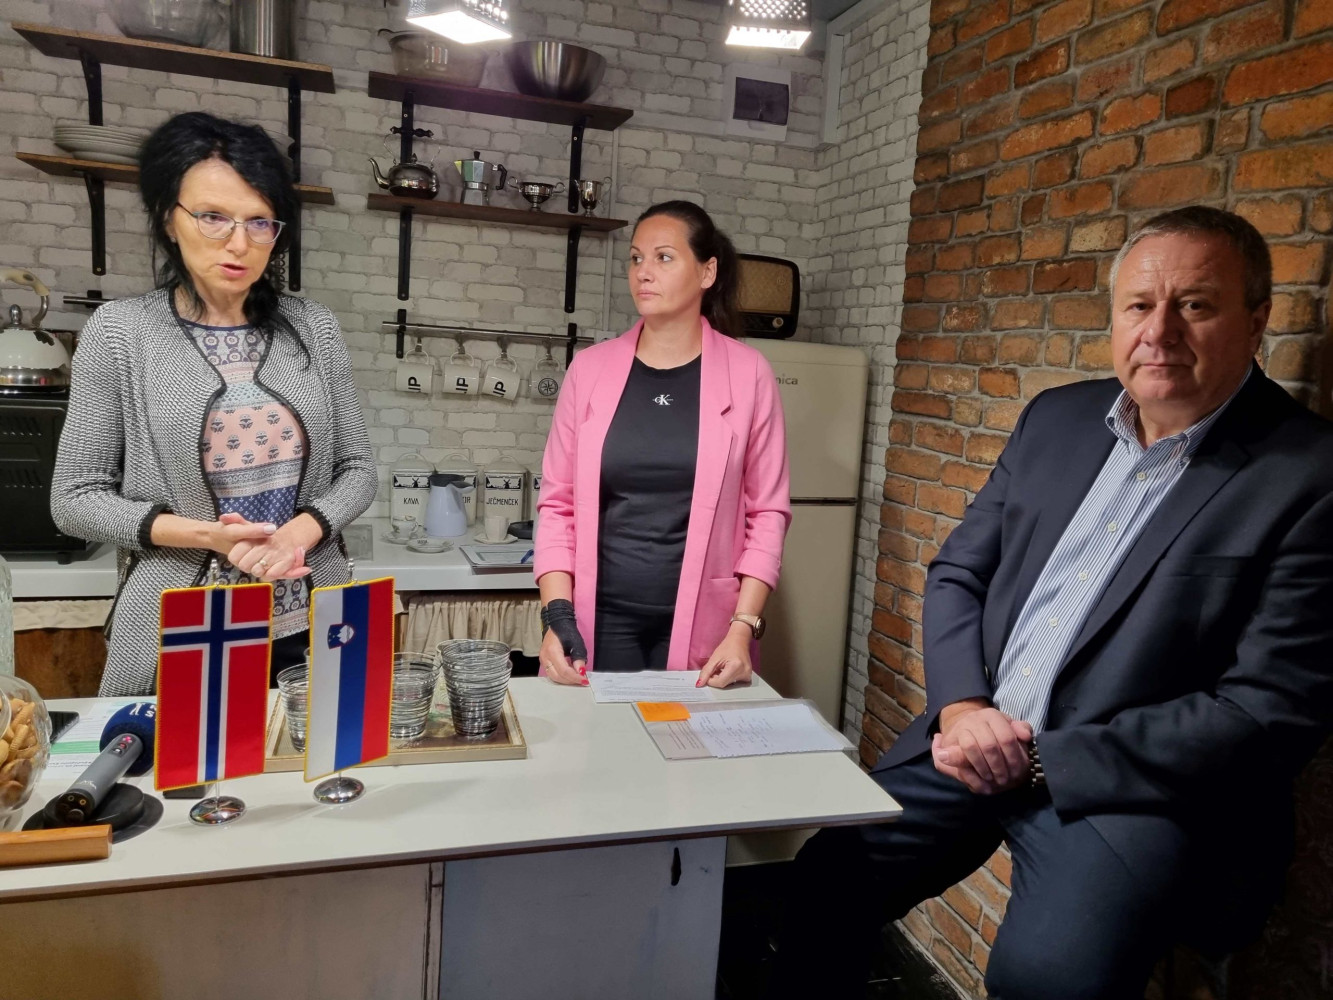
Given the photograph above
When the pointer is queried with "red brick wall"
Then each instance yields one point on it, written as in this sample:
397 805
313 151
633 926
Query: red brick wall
1048 130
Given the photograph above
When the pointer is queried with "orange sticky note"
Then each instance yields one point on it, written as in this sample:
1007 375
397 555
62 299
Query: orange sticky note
663 711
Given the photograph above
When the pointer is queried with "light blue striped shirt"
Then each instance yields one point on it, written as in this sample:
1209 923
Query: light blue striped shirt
1132 483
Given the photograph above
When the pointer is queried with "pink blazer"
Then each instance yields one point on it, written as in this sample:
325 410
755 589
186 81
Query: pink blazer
741 505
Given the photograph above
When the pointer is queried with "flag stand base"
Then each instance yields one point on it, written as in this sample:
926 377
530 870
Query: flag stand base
339 789
217 809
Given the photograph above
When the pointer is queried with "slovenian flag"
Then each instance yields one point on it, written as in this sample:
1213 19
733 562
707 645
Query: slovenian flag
212 683
351 676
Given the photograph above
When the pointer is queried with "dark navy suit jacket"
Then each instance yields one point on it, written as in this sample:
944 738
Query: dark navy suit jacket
1202 680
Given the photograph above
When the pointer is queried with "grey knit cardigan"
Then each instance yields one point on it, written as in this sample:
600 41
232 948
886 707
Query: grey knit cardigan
140 391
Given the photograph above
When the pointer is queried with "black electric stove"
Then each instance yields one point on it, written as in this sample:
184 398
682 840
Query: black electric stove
30 424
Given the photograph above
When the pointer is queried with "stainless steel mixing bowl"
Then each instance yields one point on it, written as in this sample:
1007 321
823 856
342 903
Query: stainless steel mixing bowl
555 69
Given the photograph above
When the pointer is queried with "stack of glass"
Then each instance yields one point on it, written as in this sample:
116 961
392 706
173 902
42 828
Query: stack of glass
476 673
414 679
294 690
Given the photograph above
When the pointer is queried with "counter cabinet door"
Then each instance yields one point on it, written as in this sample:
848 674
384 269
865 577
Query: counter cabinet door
603 923
337 936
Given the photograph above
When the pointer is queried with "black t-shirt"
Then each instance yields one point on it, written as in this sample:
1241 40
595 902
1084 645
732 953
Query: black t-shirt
648 462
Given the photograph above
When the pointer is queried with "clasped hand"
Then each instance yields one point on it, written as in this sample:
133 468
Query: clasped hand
982 747
263 551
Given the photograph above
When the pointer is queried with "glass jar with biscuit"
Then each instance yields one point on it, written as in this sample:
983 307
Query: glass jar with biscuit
25 746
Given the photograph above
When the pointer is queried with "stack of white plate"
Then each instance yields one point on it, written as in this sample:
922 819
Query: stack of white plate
280 139
106 143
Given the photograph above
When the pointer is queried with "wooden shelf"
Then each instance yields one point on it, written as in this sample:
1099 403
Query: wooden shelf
69 166
117 50
441 94
123 173
310 194
493 213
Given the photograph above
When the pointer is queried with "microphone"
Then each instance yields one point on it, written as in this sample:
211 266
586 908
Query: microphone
126 737
98 797
139 719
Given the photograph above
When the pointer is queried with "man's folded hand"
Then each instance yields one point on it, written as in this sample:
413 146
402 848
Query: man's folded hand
982 747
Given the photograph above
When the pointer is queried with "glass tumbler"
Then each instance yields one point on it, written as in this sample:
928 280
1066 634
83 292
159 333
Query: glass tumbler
476 672
414 678
294 690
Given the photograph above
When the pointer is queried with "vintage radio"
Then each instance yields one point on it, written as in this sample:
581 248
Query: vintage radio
770 296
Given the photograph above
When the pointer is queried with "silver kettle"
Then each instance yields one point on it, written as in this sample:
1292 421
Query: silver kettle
30 358
410 178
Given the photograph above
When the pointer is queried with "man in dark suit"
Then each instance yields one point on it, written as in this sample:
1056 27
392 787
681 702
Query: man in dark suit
1128 655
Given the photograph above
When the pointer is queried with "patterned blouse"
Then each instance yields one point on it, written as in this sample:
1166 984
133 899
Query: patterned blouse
252 450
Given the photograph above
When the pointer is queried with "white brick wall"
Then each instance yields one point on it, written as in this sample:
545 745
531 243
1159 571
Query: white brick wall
840 213
857 259
662 56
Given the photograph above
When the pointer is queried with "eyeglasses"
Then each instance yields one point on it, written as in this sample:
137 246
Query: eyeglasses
217 226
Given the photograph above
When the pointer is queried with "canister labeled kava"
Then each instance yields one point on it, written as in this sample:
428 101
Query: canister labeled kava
410 481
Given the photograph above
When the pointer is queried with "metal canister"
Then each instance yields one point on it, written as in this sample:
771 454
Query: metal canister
263 27
534 492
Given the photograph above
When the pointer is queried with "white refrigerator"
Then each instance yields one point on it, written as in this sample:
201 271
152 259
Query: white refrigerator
823 390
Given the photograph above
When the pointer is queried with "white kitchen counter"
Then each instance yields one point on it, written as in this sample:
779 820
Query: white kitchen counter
592 776
446 571
42 578
591 869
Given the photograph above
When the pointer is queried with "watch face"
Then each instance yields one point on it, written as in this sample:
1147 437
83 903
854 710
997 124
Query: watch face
755 624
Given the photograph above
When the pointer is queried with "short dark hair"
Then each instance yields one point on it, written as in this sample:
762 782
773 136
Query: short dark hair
1200 220
177 145
721 304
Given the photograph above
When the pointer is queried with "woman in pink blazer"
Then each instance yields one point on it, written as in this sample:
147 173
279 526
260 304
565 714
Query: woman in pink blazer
664 498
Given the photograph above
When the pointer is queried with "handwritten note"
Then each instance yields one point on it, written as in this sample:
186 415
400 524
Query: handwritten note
756 731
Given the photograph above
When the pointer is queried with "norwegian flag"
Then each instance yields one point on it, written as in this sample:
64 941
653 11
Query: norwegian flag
212 683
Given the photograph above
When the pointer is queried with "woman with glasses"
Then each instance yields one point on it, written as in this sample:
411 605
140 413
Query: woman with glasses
214 430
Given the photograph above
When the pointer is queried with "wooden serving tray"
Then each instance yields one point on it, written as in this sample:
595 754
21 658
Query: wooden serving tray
439 745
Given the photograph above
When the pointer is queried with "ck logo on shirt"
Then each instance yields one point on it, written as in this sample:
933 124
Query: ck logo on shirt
662 400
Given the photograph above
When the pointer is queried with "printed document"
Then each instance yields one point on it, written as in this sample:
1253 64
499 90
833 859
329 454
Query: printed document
648 685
